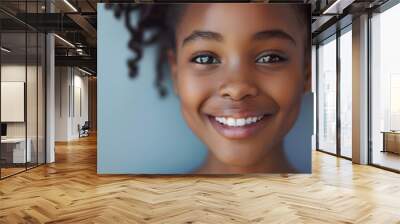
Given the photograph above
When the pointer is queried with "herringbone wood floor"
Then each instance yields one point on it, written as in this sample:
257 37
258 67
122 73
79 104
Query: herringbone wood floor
70 191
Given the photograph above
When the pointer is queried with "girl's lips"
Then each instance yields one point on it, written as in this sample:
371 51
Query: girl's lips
238 132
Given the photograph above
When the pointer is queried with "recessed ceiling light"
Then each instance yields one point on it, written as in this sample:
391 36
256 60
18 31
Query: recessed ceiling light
5 49
337 7
84 71
65 41
70 5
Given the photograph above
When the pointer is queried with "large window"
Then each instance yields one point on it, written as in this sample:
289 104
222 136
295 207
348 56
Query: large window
346 92
327 95
334 94
385 88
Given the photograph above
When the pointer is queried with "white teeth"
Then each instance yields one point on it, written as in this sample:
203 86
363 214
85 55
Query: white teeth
230 121
240 122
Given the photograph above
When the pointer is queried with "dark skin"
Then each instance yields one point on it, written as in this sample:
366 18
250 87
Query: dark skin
240 61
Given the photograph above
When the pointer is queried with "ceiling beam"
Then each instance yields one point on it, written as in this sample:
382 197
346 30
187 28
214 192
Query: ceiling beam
83 61
84 24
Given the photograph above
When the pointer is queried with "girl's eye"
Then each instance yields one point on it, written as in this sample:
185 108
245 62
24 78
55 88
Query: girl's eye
205 59
270 58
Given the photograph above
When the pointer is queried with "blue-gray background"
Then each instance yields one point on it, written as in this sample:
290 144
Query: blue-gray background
139 133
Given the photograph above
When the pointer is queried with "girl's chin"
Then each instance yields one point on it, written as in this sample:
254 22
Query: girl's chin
239 157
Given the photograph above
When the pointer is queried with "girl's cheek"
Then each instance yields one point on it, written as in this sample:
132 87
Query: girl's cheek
194 88
286 88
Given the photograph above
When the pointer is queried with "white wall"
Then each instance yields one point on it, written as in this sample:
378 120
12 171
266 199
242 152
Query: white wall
79 117
70 84
62 81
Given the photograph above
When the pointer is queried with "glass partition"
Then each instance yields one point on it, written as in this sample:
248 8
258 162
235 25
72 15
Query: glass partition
31 100
14 153
41 96
22 88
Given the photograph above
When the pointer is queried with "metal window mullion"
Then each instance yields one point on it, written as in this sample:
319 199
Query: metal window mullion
338 78
37 91
26 86
45 92
317 96
369 89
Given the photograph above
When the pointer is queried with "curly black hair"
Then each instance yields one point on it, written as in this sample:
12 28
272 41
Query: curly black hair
160 20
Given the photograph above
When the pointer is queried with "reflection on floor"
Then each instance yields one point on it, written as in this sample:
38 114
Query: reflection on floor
387 159
70 191
346 152
10 169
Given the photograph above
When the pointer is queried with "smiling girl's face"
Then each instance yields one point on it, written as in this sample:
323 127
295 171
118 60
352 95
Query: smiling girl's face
240 71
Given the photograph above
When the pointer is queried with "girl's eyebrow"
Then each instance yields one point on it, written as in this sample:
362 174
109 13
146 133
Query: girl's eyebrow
262 35
268 34
199 34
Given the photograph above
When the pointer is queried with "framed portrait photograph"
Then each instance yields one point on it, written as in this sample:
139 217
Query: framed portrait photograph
204 88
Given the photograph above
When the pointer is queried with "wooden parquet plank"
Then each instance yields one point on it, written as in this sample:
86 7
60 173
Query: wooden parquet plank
70 191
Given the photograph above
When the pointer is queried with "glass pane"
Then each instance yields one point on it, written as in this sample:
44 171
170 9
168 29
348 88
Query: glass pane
327 96
32 90
13 86
346 94
385 84
23 89
31 100
41 99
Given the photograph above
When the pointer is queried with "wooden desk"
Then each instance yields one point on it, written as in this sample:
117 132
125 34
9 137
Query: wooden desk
13 150
391 141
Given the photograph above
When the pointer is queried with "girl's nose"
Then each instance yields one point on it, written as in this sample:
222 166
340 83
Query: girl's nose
238 90
238 81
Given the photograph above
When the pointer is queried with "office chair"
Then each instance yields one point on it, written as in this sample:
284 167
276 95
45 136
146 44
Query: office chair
84 130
